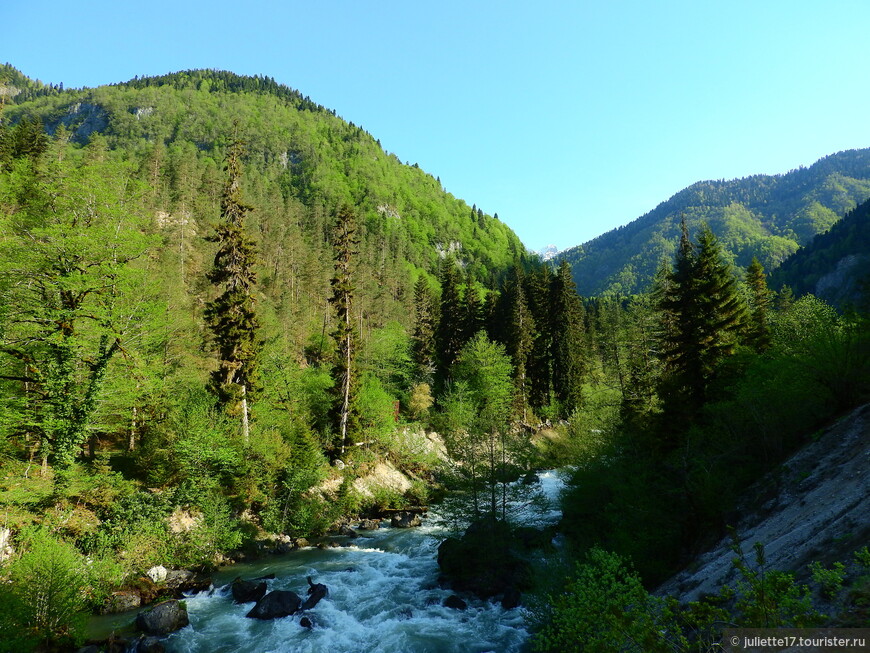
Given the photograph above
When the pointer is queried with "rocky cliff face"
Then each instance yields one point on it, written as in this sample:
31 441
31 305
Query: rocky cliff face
816 507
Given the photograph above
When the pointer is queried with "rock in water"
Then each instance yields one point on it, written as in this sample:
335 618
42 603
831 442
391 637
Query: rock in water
163 618
247 591
280 603
405 520
455 602
316 591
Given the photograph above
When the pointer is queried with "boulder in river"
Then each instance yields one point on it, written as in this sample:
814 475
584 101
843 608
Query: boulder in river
455 602
163 618
316 591
369 525
405 520
247 591
274 605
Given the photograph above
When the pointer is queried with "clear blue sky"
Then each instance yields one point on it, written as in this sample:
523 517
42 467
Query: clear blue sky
566 118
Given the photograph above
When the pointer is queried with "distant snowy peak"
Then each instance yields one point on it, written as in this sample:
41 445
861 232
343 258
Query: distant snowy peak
548 252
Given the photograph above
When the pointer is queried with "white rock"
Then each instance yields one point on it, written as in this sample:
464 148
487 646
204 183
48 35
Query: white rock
157 574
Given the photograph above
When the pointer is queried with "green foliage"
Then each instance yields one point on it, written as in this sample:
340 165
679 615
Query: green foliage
46 601
769 598
73 295
830 580
603 607
862 557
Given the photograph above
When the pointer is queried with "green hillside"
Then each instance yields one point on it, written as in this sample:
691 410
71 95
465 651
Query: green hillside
302 162
764 216
833 265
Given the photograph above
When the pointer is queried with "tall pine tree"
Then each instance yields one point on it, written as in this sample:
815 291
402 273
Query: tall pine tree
231 315
758 327
701 317
345 243
451 323
423 338
567 335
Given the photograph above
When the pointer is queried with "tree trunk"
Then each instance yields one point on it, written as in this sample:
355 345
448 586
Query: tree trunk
246 432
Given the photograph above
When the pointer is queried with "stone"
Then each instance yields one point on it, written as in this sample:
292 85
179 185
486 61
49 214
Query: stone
305 622
316 592
274 605
511 598
455 603
163 618
405 520
182 580
149 644
122 601
247 591
348 532
157 574
369 524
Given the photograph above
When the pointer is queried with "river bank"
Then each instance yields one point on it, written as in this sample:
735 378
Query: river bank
384 594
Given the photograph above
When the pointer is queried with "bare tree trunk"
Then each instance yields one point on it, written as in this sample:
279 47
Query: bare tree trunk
246 431
131 439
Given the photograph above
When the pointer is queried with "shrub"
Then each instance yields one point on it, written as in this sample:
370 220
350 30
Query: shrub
46 602
603 608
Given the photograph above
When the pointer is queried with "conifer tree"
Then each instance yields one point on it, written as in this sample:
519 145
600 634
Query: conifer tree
521 338
701 317
231 315
423 338
472 310
537 292
451 325
344 243
758 328
567 333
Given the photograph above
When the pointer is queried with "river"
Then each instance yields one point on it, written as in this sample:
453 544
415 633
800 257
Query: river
383 596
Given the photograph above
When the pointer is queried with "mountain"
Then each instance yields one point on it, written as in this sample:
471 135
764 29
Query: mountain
768 216
834 265
302 162
548 252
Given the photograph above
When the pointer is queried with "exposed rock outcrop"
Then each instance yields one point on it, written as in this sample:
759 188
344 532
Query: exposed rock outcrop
815 507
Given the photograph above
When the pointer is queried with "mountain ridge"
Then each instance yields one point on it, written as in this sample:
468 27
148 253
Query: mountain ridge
768 216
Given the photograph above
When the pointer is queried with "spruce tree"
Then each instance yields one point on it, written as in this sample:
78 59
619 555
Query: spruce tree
344 243
423 338
521 339
567 333
231 315
758 327
451 323
472 310
537 292
701 317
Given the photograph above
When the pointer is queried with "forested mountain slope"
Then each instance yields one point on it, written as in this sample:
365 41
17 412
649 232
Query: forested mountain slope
762 215
834 265
302 161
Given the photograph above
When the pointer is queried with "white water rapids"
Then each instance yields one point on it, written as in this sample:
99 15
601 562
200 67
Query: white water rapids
383 596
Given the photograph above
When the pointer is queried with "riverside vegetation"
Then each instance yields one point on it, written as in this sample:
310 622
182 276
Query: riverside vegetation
220 300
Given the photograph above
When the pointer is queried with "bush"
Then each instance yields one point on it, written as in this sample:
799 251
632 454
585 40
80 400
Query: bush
46 602
603 608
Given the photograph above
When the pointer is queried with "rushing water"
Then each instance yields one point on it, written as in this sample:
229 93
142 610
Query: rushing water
383 596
